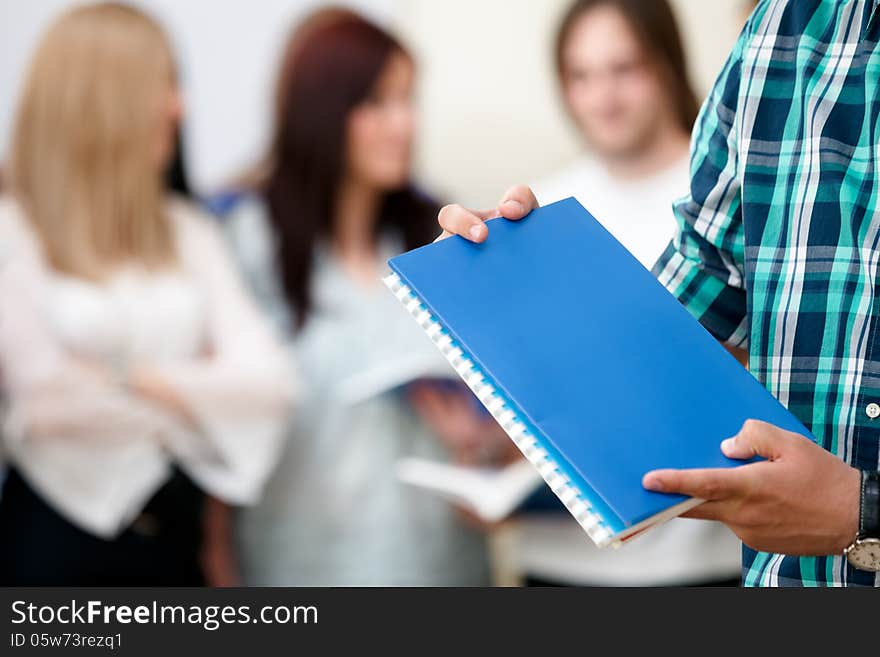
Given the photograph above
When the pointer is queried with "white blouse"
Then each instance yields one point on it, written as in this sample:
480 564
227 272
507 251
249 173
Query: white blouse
94 449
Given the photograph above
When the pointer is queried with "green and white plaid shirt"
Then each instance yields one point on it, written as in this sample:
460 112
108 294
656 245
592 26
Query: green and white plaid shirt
778 247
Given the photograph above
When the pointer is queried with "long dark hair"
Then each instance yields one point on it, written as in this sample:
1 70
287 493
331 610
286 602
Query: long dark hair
655 27
331 65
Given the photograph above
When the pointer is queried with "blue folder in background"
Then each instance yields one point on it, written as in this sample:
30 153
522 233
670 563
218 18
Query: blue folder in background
595 371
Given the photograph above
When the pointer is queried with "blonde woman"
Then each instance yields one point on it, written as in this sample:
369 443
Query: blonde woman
138 372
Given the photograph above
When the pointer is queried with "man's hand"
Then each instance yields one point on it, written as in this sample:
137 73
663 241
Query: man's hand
802 500
456 220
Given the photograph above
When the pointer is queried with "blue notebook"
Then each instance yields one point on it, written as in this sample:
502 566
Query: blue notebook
591 366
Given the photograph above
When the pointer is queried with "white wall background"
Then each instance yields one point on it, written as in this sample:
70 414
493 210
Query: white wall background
489 112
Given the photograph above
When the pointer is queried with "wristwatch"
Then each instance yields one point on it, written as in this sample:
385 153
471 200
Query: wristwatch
864 553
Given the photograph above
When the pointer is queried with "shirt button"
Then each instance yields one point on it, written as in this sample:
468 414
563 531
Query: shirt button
873 411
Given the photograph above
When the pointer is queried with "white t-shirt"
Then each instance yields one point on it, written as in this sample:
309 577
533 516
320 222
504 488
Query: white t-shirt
553 546
637 212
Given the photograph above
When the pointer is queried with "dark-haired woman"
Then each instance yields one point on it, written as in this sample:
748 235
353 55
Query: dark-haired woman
313 233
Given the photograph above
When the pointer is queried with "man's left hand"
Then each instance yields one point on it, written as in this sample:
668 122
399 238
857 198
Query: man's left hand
802 500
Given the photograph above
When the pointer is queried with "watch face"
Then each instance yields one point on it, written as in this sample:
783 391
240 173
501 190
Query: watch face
865 554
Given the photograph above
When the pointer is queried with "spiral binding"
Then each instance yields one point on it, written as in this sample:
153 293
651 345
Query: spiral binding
504 414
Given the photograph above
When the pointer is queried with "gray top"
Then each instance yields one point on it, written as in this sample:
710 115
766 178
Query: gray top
334 512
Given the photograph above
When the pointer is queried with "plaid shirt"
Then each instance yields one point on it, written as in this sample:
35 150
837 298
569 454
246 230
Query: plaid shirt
778 248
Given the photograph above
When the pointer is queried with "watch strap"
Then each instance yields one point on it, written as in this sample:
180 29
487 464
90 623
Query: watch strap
869 505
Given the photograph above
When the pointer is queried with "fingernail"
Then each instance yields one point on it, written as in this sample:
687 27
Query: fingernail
514 205
652 483
728 445
476 231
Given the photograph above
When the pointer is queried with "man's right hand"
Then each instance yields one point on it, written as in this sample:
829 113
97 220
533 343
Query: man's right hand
518 202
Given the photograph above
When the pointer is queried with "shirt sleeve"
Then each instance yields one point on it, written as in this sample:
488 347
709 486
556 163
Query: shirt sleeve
240 395
703 265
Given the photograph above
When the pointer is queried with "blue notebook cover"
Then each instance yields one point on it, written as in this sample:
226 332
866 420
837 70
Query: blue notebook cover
590 364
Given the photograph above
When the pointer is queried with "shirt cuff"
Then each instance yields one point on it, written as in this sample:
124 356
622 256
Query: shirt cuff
719 307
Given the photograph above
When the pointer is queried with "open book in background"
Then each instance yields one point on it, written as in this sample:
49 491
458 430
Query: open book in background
399 375
592 368
491 493
395 374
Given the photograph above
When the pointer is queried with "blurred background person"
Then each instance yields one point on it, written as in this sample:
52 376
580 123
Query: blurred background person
138 371
623 78
313 231
622 72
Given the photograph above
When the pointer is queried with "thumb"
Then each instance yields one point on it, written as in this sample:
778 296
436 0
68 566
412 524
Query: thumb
518 202
756 438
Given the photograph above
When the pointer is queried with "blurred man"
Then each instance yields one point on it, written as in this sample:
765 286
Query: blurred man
622 73
623 77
